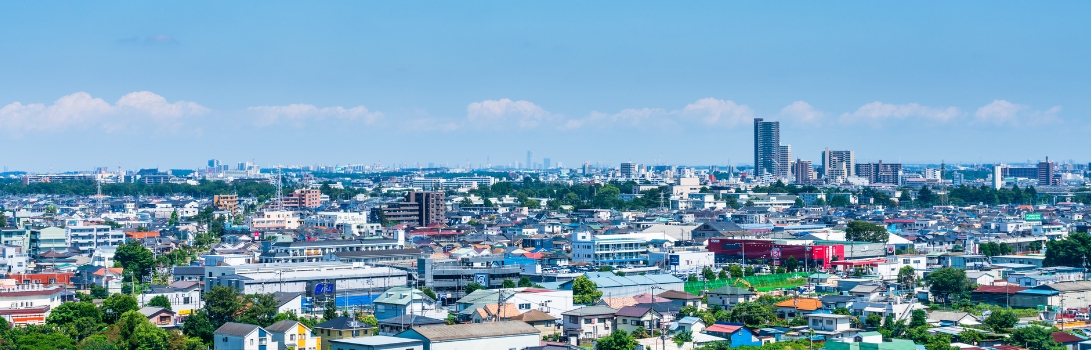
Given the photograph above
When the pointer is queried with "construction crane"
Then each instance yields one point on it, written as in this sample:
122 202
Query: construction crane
745 283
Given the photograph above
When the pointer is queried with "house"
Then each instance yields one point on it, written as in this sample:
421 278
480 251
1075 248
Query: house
494 312
492 335
797 307
688 323
737 333
1070 341
868 292
982 278
289 302
588 323
292 334
952 318
341 328
21 316
399 301
241 336
871 341
160 317
630 318
544 322
823 278
832 326
682 298
379 342
833 302
398 324
726 297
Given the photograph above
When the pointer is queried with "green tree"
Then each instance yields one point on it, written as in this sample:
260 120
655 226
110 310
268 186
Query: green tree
428 291
939 342
585 291
199 325
507 284
863 231
798 204
873 321
44 341
1034 338
137 333
173 218
330 310
69 312
98 292
472 287
970 336
117 305
260 309
907 276
752 314
918 318
842 311
948 282
708 274
640 332
791 265
1000 320
617 340
97 342
735 270
221 304
525 282
137 260
160 301
722 275
839 201
683 337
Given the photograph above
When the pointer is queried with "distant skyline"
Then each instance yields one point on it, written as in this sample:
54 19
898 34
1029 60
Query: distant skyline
171 85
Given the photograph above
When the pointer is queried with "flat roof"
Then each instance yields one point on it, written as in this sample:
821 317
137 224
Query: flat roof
377 340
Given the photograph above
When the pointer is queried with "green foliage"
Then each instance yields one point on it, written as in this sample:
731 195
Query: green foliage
640 332
507 284
525 282
1034 338
221 304
97 342
949 282
1001 320
452 318
261 190
940 341
329 312
260 309
98 292
918 318
708 274
863 231
873 321
44 341
842 311
160 301
791 265
970 336
752 314
585 291
431 294
472 287
907 276
682 338
136 333
617 340
199 325
137 260
69 312
1075 250
117 305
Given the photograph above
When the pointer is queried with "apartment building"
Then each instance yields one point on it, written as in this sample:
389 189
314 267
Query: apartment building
93 237
303 198
606 250
273 220
48 239
226 202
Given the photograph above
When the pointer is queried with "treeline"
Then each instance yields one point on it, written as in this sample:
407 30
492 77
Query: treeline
86 188
579 196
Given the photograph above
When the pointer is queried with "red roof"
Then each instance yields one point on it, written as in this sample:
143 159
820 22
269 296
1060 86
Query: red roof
999 289
535 256
899 221
722 328
1062 337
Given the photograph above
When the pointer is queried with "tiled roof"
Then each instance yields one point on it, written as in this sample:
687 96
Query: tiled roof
633 311
236 329
535 316
806 304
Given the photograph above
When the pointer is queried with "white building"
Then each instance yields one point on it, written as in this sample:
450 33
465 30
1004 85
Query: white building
889 270
342 278
240 336
622 250
351 223
13 260
88 238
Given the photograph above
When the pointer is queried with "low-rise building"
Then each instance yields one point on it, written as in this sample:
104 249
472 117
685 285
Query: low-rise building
727 297
292 334
379 342
588 323
493 335
241 336
832 326
341 328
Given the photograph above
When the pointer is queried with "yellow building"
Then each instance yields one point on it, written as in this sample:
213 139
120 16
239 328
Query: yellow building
293 334
342 328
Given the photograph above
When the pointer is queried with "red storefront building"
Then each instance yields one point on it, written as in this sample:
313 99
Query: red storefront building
728 250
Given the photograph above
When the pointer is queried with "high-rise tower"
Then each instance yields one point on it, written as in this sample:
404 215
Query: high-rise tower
766 147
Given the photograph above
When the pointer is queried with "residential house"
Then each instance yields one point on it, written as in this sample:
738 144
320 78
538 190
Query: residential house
737 333
689 323
1068 340
630 318
241 336
494 312
399 301
341 328
159 316
952 318
726 297
398 324
493 335
682 298
288 302
832 326
588 323
379 342
545 323
797 307
292 334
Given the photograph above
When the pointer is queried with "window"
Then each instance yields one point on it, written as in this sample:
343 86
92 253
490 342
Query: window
588 320
624 321
251 341
225 339
291 337
524 306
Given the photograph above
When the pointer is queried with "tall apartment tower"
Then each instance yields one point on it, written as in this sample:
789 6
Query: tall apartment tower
784 162
1045 173
630 170
529 164
998 176
803 172
766 147
838 165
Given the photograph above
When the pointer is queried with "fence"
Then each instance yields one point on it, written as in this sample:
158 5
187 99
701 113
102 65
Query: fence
760 282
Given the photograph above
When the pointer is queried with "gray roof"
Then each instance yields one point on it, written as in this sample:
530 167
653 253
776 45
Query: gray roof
378 340
1075 286
148 311
236 329
590 310
730 291
282 326
475 330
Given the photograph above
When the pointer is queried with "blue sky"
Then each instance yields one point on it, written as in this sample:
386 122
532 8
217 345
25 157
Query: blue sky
173 84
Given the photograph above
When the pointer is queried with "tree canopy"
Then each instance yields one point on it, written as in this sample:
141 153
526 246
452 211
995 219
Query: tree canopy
585 291
866 232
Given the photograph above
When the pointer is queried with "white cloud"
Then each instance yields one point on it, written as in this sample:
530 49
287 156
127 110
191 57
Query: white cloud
1002 112
876 112
495 113
714 111
802 112
298 114
81 109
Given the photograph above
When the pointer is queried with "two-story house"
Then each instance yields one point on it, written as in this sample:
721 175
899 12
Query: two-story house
241 336
832 326
292 334
630 318
726 297
588 323
400 301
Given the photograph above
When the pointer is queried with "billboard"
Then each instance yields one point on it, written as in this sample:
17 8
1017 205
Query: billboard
323 288
1032 217
482 279
674 260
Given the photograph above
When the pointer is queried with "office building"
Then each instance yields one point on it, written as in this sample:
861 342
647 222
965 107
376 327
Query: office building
630 170
766 147
784 162
213 163
803 171
530 163
545 163
1046 173
418 208
1023 172
837 165
881 173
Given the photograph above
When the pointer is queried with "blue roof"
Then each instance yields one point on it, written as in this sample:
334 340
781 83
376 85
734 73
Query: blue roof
1038 292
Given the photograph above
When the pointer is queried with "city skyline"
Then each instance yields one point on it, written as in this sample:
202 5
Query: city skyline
648 83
